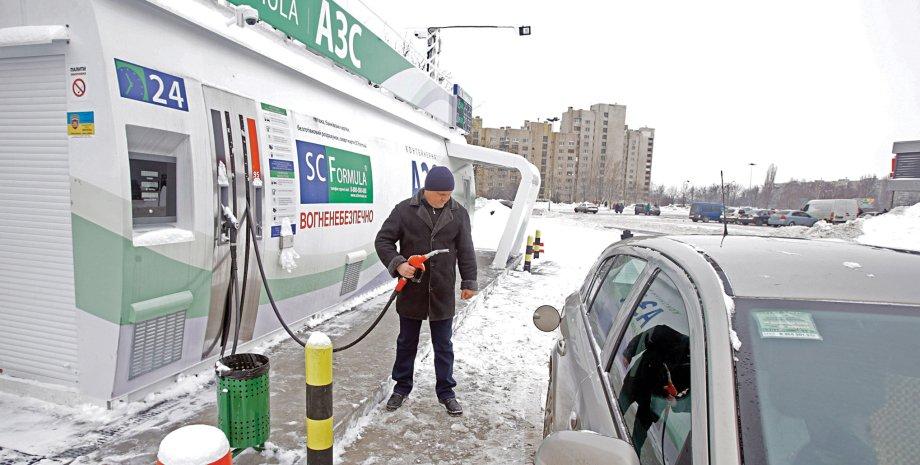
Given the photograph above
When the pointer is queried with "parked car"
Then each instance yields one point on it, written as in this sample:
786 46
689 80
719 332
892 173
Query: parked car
760 217
586 207
704 211
746 215
712 350
832 210
639 209
731 215
791 218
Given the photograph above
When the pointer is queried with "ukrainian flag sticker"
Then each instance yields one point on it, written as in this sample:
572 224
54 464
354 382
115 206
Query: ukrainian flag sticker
80 124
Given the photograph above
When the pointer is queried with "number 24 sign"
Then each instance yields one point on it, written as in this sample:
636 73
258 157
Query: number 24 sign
147 85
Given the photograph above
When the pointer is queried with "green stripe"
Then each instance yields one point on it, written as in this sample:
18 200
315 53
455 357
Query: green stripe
285 288
111 274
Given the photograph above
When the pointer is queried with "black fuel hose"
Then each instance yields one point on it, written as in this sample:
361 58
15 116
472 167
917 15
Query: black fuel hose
284 324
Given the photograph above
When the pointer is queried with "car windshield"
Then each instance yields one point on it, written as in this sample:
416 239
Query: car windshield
828 383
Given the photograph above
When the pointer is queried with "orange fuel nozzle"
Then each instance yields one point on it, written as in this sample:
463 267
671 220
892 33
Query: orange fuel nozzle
418 262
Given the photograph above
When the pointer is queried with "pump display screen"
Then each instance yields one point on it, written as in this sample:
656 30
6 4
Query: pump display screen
153 195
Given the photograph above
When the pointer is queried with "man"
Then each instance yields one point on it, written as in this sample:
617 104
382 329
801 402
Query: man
429 220
662 371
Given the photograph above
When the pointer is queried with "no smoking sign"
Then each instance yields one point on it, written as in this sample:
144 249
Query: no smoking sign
78 87
78 78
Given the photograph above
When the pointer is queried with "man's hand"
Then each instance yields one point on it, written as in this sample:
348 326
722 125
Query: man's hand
466 294
406 270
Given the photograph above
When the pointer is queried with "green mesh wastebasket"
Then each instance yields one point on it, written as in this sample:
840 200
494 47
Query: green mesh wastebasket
242 399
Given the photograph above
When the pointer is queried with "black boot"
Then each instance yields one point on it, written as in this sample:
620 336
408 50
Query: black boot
395 402
453 407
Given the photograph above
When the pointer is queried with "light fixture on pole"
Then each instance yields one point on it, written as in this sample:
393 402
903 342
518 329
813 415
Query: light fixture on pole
751 176
433 48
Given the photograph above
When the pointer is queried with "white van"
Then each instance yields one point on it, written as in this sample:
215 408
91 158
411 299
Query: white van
832 210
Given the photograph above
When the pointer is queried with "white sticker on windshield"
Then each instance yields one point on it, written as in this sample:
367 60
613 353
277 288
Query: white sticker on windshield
787 325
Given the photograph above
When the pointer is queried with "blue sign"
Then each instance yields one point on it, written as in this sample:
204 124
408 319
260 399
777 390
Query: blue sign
314 172
147 85
417 177
276 230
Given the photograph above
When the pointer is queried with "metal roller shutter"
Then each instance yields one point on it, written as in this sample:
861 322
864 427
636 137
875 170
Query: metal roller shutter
38 331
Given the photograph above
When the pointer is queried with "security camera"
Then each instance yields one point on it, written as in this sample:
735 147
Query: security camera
244 15
420 34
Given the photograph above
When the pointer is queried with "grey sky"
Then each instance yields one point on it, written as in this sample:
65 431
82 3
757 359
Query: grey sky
821 88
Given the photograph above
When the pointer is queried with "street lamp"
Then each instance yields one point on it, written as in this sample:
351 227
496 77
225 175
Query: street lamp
751 181
434 42
751 175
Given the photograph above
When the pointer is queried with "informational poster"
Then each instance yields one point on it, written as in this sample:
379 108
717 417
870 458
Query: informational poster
336 177
282 178
81 124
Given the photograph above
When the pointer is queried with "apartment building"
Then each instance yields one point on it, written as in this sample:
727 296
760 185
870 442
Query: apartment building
635 172
593 157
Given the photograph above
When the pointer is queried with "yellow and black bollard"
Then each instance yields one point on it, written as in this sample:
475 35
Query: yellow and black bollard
528 253
537 244
318 355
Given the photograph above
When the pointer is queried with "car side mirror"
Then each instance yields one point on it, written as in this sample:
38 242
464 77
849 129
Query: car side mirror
546 318
565 447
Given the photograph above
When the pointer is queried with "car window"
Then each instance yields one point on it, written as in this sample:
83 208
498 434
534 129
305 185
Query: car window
611 294
593 281
650 375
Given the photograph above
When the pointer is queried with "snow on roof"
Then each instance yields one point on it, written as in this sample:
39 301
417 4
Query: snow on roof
32 35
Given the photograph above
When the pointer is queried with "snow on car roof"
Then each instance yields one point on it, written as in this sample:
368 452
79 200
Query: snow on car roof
774 267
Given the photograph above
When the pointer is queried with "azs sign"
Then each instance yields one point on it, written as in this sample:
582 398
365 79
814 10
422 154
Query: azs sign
419 173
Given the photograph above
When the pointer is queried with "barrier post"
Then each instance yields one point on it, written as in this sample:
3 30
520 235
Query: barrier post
528 253
537 244
318 362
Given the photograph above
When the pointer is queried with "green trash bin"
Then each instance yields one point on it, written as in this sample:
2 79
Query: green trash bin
242 399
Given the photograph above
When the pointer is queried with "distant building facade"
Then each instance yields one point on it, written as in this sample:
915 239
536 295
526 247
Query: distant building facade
593 157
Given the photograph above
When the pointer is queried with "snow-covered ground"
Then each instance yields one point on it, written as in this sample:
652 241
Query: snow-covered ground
500 365
500 357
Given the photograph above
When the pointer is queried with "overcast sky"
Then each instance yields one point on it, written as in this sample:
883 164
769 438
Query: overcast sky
820 88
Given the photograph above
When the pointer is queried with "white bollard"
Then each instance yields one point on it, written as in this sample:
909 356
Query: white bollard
195 445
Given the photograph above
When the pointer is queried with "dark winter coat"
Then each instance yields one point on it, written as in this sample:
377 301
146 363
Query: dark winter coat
418 232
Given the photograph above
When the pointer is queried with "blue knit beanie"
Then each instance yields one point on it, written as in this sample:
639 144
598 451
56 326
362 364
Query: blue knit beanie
439 179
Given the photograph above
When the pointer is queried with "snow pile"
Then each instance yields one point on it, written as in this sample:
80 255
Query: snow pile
193 445
163 236
32 35
489 222
283 456
899 228
675 210
288 256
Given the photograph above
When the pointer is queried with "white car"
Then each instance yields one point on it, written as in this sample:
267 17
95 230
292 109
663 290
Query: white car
586 207
711 350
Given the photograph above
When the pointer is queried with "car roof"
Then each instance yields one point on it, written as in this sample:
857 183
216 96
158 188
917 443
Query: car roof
786 268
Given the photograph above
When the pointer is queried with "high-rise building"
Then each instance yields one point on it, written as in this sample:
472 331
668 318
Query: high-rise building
600 130
594 156
635 174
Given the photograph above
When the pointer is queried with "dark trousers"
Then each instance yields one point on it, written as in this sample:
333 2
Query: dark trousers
407 348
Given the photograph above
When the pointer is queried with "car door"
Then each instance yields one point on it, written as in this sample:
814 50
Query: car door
611 293
656 371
